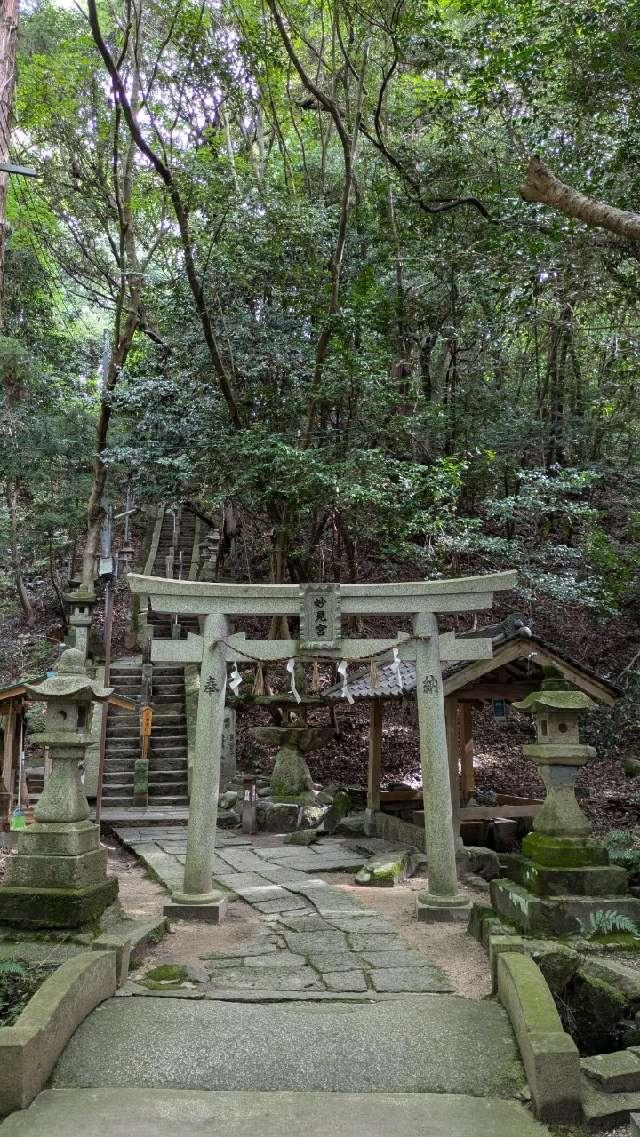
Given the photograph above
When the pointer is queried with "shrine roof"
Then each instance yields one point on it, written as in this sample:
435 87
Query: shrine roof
514 644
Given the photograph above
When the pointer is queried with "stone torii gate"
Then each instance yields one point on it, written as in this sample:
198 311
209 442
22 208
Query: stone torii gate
319 607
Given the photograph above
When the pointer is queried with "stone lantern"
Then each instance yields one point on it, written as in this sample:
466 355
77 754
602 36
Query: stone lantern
559 754
563 876
82 602
58 877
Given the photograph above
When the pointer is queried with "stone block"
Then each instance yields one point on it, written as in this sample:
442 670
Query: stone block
302 837
557 962
601 1108
428 913
614 1073
418 979
564 852
497 944
210 913
365 941
477 914
307 943
587 880
334 961
549 1055
385 870
64 839
634 1121
626 979
345 980
561 916
56 907
58 872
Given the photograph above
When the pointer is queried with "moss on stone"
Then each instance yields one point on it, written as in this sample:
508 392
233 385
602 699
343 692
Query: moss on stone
26 907
564 852
167 973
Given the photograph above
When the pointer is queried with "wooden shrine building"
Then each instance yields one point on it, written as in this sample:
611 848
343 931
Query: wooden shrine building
514 670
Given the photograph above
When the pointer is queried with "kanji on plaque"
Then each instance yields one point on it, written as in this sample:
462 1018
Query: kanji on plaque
319 616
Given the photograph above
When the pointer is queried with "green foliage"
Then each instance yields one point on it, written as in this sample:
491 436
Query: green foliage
604 923
623 850
470 399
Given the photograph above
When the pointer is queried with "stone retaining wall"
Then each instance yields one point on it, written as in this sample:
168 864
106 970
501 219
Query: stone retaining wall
31 1047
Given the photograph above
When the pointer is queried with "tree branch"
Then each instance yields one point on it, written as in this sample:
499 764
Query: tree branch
543 187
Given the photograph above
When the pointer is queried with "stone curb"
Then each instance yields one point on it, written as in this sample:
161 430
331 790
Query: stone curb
550 1056
130 943
31 1047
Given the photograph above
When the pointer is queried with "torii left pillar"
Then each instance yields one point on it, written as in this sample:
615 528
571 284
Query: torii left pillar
197 900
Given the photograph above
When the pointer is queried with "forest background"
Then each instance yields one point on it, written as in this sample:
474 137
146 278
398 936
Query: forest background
360 277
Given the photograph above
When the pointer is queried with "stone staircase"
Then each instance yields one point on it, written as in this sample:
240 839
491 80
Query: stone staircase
168 782
168 759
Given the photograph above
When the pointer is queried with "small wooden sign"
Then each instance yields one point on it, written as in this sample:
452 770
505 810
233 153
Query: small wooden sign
146 720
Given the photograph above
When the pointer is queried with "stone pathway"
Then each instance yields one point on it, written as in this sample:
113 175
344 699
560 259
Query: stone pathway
325 1021
317 938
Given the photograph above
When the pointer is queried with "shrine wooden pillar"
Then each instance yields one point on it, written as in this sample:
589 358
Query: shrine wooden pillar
376 710
468 780
8 758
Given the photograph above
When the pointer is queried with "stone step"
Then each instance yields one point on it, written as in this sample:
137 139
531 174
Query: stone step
157 762
436 1043
614 1073
603 1108
162 1113
176 801
170 789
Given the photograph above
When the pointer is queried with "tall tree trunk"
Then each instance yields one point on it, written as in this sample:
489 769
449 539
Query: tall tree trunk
8 37
127 318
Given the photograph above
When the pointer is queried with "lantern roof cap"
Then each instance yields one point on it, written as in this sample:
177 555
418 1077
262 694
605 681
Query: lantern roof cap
554 700
70 682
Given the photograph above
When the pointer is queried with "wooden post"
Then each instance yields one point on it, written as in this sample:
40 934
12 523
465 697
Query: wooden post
451 723
8 752
375 753
468 776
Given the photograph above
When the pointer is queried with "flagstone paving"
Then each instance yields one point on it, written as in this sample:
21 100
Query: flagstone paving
318 937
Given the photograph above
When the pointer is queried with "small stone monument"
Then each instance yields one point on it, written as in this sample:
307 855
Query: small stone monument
58 877
291 780
563 875
228 749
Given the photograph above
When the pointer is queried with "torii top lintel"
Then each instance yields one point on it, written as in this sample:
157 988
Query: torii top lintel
202 598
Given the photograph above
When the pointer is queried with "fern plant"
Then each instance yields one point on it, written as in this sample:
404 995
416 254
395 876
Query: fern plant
604 923
12 967
622 849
